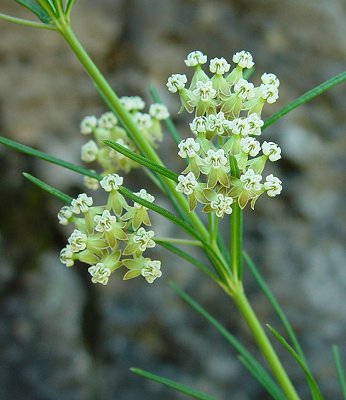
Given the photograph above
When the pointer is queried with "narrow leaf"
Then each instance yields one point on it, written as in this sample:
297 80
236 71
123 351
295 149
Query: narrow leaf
255 368
340 371
182 254
276 306
142 160
54 192
168 121
172 384
43 156
311 94
177 221
26 22
262 378
315 391
36 9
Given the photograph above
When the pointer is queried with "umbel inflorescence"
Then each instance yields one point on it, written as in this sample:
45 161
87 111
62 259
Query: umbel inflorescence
110 236
225 159
224 165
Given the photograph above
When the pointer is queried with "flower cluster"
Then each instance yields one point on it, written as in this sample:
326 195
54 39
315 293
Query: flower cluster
107 127
225 159
110 236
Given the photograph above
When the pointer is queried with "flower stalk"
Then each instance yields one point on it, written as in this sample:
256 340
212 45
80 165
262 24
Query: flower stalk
263 342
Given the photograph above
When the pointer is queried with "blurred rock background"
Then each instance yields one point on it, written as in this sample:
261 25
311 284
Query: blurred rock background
63 338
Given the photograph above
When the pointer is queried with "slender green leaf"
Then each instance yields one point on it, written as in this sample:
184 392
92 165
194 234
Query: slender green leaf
262 378
142 160
168 121
172 384
43 156
276 306
315 391
54 192
182 254
36 9
177 221
339 369
26 22
311 94
255 368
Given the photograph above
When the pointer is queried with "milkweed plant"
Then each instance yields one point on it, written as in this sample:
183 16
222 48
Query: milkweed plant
227 167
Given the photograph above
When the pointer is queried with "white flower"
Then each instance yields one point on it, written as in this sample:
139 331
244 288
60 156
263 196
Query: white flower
144 238
272 185
107 120
188 148
176 82
151 270
222 205
66 256
240 126
104 222
269 93
195 58
81 203
91 183
64 215
251 180
143 120
216 159
99 273
77 241
217 123
88 124
145 196
199 125
244 89
89 151
272 150
243 59
219 66
186 184
255 124
132 103
158 111
111 182
204 91
249 145
270 79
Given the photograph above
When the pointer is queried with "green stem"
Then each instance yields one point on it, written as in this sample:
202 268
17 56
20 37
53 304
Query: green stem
263 343
127 120
236 233
178 241
213 223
